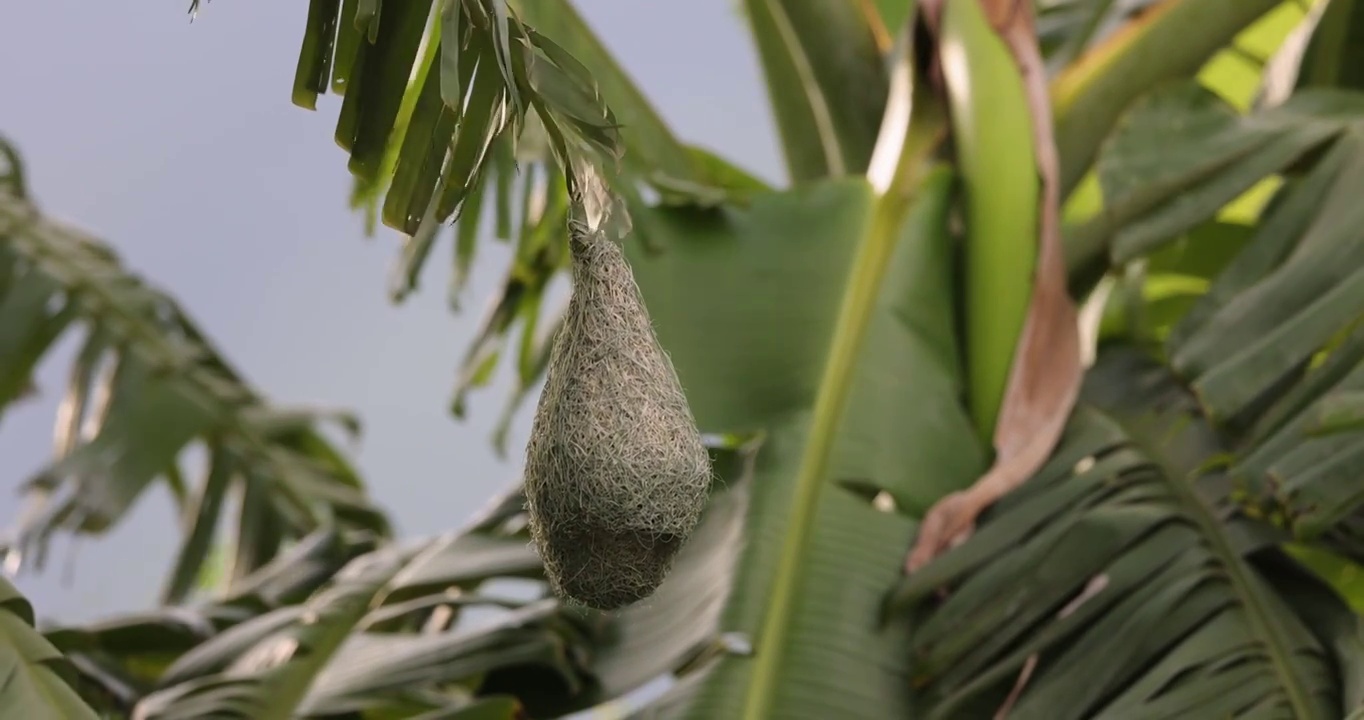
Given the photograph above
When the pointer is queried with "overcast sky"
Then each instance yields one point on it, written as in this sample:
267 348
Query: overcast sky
177 143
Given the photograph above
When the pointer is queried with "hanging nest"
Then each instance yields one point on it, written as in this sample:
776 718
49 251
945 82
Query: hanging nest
616 474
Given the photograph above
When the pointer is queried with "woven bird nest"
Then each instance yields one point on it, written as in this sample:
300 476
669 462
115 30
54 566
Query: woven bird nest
616 474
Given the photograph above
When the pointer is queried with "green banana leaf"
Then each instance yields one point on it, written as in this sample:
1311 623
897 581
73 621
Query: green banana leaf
36 675
1125 563
827 80
351 641
1147 556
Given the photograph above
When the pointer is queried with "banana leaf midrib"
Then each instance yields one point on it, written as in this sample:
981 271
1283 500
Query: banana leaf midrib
1182 483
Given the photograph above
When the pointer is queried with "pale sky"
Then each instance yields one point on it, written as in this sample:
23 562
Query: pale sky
177 143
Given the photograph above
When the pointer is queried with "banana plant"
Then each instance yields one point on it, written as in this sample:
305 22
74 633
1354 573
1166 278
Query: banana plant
932 498
146 387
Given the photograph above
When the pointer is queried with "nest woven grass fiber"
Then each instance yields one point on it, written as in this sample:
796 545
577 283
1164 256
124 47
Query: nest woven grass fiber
616 474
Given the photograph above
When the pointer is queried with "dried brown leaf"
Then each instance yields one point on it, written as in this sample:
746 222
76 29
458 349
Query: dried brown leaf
1044 381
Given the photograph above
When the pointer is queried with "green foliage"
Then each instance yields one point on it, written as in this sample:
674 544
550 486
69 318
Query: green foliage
1124 567
147 386
826 79
1171 41
33 669
1333 57
475 110
1254 410
1190 550
1274 342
